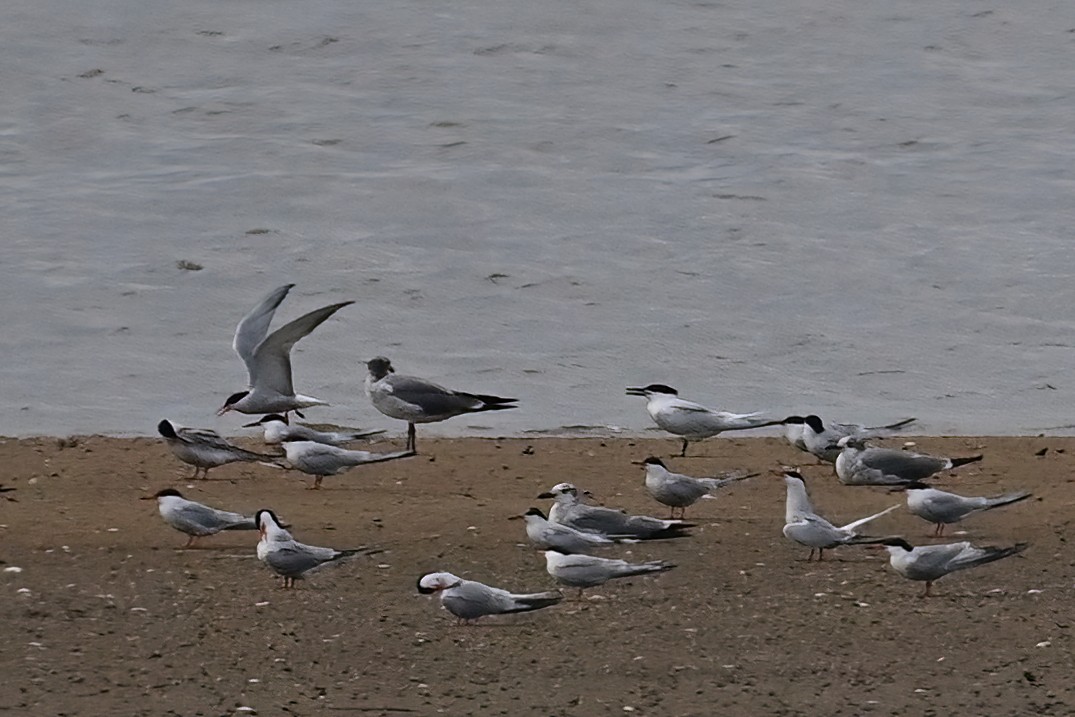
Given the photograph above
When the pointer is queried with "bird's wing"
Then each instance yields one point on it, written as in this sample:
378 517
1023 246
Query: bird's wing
270 364
202 437
908 466
196 514
431 398
254 326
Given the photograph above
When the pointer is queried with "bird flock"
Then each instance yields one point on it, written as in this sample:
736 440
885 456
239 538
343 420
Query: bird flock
574 530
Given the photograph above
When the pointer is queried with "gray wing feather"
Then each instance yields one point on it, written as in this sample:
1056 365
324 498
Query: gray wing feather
908 466
270 364
254 326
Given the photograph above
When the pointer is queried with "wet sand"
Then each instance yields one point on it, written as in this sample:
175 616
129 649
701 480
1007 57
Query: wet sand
109 616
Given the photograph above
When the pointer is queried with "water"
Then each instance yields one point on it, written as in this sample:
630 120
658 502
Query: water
862 209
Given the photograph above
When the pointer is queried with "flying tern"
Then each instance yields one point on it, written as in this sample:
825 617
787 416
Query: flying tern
692 421
569 510
469 600
942 508
416 400
279 429
289 558
320 460
859 465
677 490
195 519
268 357
805 527
556 536
204 448
585 571
812 435
932 562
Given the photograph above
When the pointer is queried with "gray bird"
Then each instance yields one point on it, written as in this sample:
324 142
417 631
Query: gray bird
942 508
320 460
585 571
932 562
469 600
859 465
416 400
677 490
814 436
278 429
194 519
289 558
569 510
204 448
556 536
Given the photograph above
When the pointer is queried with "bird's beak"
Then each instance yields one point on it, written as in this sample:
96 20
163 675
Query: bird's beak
638 463
633 391
148 497
223 410
246 425
547 495
515 517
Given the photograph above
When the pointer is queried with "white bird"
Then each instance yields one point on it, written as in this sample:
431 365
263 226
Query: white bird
279 429
859 465
204 448
556 536
320 460
268 358
932 562
805 527
416 400
692 421
194 519
289 558
812 435
585 571
469 600
942 508
569 510
677 490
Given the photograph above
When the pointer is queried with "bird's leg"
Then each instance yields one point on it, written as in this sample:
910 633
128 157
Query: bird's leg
190 541
929 584
683 453
940 529
317 483
411 436
820 554
299 413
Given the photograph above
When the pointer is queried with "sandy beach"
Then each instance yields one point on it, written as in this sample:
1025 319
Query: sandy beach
108 616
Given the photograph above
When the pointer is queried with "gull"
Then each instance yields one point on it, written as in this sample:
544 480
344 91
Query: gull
279 429
416 400
468 599
677 490
585 571
692 421
556 536
289 558
859 465
811 434
268 358
204 448
941 508
320 460
569 510
805 527
933 562
195 519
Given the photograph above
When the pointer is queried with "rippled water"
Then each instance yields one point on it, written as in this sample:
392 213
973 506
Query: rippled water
862 209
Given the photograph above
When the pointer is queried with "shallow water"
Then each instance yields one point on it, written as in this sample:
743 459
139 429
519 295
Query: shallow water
861 209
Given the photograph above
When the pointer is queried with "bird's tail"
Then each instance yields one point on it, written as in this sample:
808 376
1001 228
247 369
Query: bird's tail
677 529
894 426
1006 499
655 566
714 483
988 554
358 435
363 550
493 403
957 462
536 601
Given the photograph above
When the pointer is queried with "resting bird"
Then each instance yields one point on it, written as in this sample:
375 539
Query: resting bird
195 519
805 527
859 465
692 421
677 490
416 400
556 536
814 436
205 449
932 562
584 571
278 429
320 460
469 600
289 558
569 510
943 508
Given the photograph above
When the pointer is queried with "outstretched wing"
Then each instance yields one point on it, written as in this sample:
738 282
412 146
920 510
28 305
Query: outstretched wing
270 365
254 326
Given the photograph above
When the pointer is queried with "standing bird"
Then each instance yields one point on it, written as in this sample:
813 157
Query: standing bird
569 510
677 490
586 571
692 421
194 519
811 434
805 527
942 508
320 460
289 558
278 429
859 465
268 358
932 562
468 600
416 400
556 536
204 448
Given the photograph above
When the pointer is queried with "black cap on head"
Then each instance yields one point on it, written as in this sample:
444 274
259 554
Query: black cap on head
165 492
379 367
798 420
815 423
535 511
900 542
661 388
794 474
265 511
653 461
165 428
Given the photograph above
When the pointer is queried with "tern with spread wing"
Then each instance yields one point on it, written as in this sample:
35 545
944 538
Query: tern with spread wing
858 464
807 528
469 600
932 562
289 558
571 511
204 448
942 508
320 460
677 490
197 520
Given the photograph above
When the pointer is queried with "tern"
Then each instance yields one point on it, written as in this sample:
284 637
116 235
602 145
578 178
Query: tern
556 536
279 429
812 435
469 600
942 508
195 519
586 571
569 510
859 465
692 421
416 400
677 490
805 527
268 358
204 448
289 558
320 460
932 562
